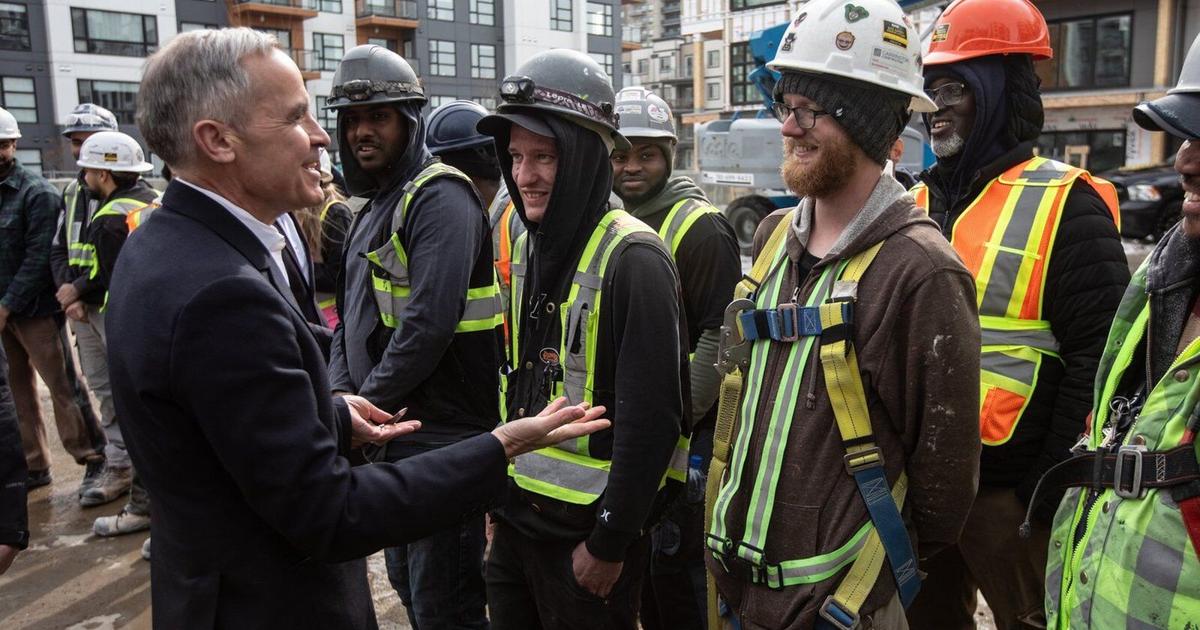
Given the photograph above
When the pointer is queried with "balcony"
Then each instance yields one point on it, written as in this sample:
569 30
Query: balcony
303 9
386 13
632 38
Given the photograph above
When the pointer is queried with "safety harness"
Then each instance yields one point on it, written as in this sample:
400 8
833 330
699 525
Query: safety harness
827 316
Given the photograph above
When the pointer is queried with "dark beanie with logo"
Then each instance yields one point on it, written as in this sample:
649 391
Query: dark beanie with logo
872 116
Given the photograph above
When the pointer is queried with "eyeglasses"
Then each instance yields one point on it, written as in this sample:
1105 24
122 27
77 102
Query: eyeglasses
805 118
948 95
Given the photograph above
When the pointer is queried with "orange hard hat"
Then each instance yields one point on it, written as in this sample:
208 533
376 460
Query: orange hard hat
976 28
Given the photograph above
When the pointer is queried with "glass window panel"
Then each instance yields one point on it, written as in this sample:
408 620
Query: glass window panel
482 12
112 33
600 19
1078 51
441 58
441 10
31 159
561 15
330 49
14 27
119 97
1113 45
483 61
18 84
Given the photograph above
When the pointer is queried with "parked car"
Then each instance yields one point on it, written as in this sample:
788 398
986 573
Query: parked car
1151 198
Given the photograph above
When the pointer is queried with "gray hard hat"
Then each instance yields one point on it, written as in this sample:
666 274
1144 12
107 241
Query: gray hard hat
372 74
1177 113
91 118
562 82
644 115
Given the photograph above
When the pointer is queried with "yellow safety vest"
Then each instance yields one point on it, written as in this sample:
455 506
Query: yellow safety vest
79 254
680 219
136 218
568 472
389 268
1005 239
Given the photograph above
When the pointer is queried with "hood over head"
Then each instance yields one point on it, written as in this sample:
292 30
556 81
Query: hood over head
414 157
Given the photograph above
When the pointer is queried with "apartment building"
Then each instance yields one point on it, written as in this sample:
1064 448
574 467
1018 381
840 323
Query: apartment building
55 54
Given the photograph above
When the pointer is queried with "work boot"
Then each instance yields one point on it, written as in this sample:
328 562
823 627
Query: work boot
124 522
37 479
91 475
146 550
113 483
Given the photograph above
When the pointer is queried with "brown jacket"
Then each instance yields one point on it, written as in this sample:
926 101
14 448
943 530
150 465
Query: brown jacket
917 337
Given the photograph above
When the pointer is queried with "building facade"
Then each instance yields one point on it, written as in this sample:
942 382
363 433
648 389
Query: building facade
55 54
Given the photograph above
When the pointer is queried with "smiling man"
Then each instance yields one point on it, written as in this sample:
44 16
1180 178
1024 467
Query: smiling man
706 253
420 311
1041 240
856 376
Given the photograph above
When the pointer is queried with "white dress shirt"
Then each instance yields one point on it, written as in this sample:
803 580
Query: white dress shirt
267 234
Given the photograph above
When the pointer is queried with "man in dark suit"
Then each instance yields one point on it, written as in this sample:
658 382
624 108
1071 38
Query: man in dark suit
260 520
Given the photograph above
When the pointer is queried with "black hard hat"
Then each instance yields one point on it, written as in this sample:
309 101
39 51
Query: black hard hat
562 82
451 127
1177 113
374 74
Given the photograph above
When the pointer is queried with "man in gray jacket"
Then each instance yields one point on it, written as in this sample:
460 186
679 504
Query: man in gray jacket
420 311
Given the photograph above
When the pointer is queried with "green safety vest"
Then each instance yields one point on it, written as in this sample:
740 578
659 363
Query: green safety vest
567 471
80 255
1134 565
120 207
389 268
680 219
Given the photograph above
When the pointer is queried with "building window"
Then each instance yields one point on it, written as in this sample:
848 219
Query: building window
14 27
643 66
437 100
119 97
483 61
687 65
488 102
330 49
441 58
31 159
331 6
1092 52
111 33
1094 150
327 118
389 44
666 63
482 12
441 10
561 17
185 27
714 58
712 90
738 5
283 36
741 64
599 19
18 97
605 60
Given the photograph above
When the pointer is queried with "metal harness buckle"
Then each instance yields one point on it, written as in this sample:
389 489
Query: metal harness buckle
1135 490
838 615
874 462
789 314
733 351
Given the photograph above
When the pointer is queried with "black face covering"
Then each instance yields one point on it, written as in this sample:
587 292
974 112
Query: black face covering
578 200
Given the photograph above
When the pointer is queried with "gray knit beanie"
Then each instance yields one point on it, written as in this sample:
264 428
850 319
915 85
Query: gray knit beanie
872 116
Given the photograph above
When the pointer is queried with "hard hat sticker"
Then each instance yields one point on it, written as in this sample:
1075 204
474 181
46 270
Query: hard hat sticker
888 59
656 113
111 157
629 108
939 33
800 18
854 14
549 356
787 42
895 34
844 40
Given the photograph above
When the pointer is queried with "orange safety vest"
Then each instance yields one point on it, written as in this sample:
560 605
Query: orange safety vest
137 217
1005 239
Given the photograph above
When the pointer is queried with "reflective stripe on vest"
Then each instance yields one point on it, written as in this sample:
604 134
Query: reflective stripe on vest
80 255
389 274
1128 562
680 219
568 472
1005 238
136 218
115 208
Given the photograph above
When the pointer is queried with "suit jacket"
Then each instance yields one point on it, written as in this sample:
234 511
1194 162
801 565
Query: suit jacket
259 519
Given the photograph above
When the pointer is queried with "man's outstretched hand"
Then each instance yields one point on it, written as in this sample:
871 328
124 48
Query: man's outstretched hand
556 423
371 425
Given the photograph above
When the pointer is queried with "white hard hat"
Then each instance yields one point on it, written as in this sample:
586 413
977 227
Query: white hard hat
871 41
113 151
325 165
9 130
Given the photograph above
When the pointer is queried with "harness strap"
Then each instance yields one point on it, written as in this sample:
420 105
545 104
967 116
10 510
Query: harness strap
786 323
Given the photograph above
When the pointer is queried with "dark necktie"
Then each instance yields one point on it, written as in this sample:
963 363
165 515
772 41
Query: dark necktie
300 289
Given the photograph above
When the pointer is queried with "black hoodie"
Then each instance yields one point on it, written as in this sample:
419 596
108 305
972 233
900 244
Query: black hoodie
448 381
641 365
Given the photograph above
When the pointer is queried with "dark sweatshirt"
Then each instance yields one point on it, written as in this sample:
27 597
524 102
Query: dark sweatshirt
14 522
448 381
641 372
108 233
91 291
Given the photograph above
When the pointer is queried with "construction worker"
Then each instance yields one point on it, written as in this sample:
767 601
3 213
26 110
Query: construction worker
31 323
420 311
853 376
595 317
72 263
706 253
454 139
113 164
1125 543
1040 237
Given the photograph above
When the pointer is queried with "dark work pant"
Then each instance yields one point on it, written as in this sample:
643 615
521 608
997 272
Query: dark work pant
531 584
673 596
439 578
